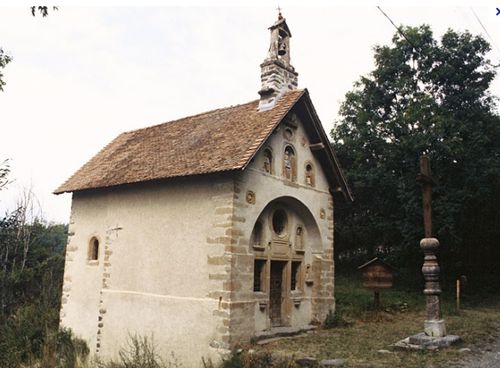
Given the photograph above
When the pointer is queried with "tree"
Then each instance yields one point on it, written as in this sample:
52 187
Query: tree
430 97
4 172
4 58
43 10
31 273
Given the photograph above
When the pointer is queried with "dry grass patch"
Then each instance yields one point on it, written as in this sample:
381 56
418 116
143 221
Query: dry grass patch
372 330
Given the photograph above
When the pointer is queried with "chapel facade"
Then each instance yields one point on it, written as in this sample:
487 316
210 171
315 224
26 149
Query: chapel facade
208 231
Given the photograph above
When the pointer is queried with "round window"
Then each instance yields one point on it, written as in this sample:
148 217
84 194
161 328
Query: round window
279 221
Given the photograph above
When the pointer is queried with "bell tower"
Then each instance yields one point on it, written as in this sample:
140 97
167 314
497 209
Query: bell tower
277 74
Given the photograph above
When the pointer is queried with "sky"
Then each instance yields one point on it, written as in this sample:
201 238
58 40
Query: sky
83 75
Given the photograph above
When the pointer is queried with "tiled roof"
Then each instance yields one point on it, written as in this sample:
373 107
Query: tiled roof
219 140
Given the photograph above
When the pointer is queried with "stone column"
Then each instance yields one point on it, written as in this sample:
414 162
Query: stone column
434 324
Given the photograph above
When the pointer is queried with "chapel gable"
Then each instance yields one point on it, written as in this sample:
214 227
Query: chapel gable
287 155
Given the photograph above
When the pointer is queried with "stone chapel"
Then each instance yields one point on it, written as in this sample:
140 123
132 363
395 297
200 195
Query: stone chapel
207 231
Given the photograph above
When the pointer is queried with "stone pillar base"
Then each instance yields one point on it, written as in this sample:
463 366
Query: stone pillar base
435 328
421 341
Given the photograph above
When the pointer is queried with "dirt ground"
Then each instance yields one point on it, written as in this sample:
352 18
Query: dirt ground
484 356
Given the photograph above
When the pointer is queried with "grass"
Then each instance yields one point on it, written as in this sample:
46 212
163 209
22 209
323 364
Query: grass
359 332
401 314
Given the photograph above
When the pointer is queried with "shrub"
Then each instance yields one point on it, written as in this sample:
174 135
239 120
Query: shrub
140 352
335 320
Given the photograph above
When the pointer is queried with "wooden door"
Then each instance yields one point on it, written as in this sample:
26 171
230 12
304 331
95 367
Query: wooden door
276 292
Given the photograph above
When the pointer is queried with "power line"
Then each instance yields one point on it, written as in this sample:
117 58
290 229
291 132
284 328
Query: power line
400 31
485 30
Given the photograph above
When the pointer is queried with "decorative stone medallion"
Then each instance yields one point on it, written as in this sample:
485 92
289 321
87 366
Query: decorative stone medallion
250 197
322 214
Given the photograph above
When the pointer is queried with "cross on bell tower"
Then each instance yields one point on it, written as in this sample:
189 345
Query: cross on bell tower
277 74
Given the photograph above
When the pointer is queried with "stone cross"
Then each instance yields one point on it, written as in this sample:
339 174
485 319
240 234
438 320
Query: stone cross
434 324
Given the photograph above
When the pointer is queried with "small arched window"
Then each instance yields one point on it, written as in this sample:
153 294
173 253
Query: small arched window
93 249
267 164
290 164
309 173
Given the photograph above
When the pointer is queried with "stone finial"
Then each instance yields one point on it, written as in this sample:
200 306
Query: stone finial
277 75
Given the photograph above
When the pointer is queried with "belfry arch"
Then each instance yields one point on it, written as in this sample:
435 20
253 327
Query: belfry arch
288 239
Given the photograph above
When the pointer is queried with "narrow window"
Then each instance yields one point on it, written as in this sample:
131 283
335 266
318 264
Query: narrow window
309 175
267 165
259 274
295 275
289 164
94 249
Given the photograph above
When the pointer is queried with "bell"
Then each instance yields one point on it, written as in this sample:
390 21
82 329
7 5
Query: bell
281 49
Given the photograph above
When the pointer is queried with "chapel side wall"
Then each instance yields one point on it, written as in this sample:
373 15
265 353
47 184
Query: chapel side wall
83 278
247 315
155 269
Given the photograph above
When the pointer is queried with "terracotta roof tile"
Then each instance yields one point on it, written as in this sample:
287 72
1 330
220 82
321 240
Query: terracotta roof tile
219 140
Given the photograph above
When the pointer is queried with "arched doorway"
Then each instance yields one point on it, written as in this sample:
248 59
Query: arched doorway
284 238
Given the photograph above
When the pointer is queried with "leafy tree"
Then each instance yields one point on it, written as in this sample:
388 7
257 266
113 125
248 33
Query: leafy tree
43 10
4 172
31 272
30 287
4 60
430 97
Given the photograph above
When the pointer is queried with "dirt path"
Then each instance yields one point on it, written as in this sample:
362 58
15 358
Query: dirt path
487 356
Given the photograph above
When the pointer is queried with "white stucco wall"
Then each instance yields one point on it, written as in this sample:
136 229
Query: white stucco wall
152 273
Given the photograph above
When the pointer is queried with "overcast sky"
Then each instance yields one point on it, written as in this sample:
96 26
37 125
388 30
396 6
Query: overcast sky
83 75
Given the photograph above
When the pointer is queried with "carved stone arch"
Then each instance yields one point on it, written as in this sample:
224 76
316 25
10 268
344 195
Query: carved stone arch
298 215
289 166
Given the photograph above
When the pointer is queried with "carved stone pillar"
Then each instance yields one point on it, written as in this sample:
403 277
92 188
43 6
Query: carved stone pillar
434 324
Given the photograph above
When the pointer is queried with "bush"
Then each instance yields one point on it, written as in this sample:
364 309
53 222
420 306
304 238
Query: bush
140 352
68 351
334 320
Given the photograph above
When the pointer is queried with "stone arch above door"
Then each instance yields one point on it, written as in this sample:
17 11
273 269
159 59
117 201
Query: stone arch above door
285 228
